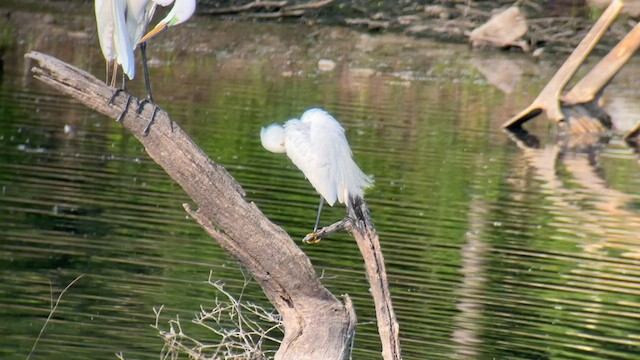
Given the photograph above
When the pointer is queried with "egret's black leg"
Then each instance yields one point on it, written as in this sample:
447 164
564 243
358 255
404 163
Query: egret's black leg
147 84
145 68
315 228
149 99
115 95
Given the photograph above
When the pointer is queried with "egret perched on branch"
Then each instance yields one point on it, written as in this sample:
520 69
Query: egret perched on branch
121 26
317 146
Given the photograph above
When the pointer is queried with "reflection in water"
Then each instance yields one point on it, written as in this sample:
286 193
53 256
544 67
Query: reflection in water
501 72
575 185
602 222
493 251
466 333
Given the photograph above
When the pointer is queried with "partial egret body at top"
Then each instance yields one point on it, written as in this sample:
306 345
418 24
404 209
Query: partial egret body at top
121 26
316 144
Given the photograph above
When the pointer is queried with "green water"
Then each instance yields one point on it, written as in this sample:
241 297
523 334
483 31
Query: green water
493 251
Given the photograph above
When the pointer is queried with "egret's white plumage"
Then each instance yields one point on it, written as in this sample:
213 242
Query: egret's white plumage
318 147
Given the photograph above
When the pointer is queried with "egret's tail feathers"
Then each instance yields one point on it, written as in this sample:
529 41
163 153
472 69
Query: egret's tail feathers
272 138
355 183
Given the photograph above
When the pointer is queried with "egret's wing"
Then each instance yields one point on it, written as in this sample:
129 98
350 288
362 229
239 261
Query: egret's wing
310 157
343 175
124 49
139 14
105 24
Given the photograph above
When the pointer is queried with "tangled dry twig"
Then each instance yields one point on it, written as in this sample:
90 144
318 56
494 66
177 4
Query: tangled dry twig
241 329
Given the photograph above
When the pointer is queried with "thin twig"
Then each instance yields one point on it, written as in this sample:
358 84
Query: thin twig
246 7
310 5
33 348
275 9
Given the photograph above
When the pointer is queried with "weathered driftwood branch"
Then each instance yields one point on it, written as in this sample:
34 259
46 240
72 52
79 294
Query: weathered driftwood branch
317 325
358 222
363 230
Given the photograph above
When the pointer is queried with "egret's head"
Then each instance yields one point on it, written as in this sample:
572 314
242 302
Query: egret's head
182 11
272 138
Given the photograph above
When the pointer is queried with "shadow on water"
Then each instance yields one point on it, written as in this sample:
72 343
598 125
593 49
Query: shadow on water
496 247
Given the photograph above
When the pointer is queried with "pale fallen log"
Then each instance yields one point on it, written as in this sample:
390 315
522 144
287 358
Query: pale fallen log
548 100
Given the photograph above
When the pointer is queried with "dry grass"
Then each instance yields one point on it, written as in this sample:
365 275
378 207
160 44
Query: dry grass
54 307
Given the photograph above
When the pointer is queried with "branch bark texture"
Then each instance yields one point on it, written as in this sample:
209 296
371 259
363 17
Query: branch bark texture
317 324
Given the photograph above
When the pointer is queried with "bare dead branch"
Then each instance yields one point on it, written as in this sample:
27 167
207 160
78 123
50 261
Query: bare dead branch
311 5
271 9
246 7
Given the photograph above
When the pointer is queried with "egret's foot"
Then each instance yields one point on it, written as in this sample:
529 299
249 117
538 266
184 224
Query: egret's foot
115 95
312 238
112 101
145 132
141 105
124 111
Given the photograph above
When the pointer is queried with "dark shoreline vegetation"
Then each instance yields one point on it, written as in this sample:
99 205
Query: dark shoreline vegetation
558 26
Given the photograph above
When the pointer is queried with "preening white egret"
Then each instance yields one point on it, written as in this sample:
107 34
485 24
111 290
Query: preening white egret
316 144
121 26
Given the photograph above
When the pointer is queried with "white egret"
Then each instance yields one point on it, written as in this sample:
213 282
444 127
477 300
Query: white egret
316 144
121 26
